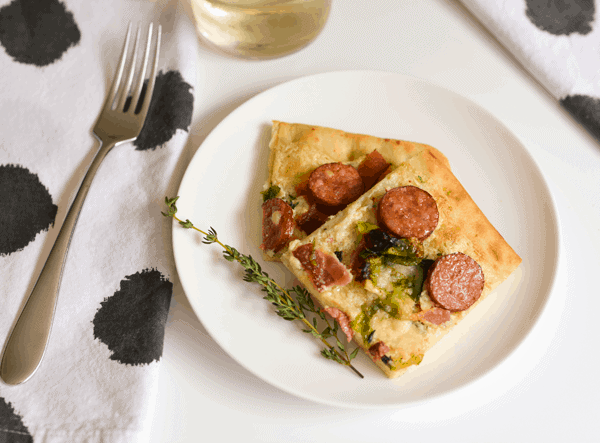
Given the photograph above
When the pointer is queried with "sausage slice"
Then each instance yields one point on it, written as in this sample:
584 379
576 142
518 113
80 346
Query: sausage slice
335 184
343 320
372 168
436 316
324 269
278 224
455 281
378 350
408 211
312 219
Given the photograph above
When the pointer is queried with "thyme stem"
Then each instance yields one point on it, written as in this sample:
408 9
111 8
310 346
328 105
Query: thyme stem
287 307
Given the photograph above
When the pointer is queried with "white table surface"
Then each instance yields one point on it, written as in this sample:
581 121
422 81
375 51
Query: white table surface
548 389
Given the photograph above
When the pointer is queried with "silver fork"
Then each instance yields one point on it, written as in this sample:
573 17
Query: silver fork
121 120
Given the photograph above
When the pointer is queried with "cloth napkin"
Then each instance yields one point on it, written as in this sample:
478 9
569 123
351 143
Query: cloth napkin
98 379
558 42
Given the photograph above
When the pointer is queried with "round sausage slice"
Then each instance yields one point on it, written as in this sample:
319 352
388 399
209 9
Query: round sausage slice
408 211
455 282
278 224
335 184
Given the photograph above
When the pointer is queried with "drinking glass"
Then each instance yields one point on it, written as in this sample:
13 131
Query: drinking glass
259 29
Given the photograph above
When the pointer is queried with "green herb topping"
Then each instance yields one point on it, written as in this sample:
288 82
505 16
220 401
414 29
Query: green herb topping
364 227
397 304
270 193
291 200
407 252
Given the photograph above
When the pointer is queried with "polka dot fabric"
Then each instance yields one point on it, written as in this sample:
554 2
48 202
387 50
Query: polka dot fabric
557 42
97 382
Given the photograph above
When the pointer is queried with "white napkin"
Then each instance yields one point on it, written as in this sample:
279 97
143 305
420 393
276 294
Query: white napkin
98 380
557 42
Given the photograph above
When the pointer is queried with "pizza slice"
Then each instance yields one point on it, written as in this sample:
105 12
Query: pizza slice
314 172
404 263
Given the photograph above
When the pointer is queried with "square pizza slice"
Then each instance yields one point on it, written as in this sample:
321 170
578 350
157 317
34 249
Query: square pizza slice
404 263
314 172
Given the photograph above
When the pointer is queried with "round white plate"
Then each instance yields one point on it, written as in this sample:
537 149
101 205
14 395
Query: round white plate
221 188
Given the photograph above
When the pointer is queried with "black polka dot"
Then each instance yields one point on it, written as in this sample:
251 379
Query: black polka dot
132 321
26 208
561 17
12 429
37 32
170 109
586 110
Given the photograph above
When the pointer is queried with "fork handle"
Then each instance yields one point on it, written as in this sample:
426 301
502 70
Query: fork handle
27 342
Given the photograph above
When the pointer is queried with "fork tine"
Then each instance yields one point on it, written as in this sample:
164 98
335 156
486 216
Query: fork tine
110 99
142 75
152 77
127 86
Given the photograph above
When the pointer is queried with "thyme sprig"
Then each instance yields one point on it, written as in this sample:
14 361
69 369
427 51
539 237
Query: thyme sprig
287 307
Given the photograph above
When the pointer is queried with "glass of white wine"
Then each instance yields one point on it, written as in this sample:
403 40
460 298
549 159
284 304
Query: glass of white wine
260 29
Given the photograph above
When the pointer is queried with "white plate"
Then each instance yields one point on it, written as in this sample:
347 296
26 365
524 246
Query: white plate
221 188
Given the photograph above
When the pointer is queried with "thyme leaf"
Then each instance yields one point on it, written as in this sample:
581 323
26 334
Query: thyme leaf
290 304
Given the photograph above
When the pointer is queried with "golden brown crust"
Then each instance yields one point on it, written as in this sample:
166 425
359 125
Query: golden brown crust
297 149
462 228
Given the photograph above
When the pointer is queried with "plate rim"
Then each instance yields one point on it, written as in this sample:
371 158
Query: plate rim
557 225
